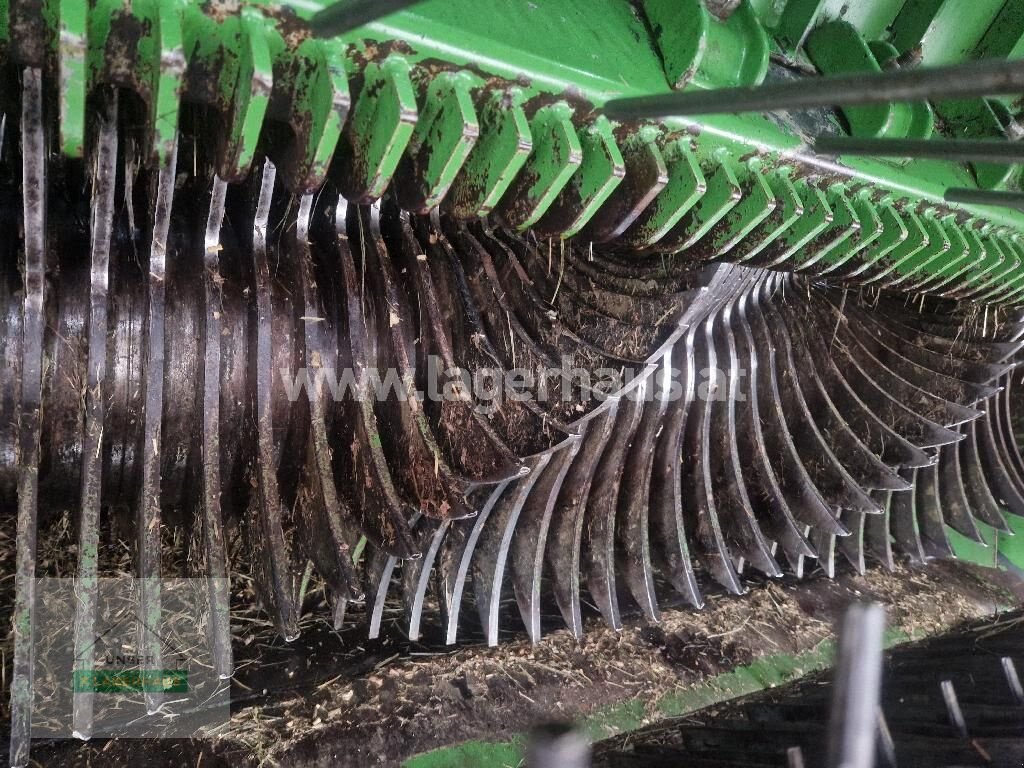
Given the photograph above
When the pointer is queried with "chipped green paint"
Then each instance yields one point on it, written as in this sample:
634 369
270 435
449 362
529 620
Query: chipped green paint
756 205
785 214
816 217
722 195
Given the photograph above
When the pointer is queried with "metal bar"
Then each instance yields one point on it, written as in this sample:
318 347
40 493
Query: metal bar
347 15
986 150
86 581
33 141
968 196
853 723
978 78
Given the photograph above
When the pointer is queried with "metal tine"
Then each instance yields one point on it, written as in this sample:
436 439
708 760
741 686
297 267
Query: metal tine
530 539
953 710
416 572
874 338
481 272
795 758
437 299
981 501
769 491
809 505
492 549
877 435
633 519
330 530
862 464
877 536
33 157
104 180
741 526
852 547
269 541
668 529
853 719
491 450
931 517
1003 487
418 461
827 472
565 537
149 510
998 197
345 15
480 317
907 422
942 412
955 505
457 551
383 515
956 150
903 521
698 492
910 346
824 544
1001 406
977 78
381 570
1012 679
214 548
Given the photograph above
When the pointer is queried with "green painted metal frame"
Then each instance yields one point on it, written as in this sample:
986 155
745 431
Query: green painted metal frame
500 111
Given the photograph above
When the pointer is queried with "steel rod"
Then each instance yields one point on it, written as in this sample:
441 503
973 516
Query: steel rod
347 15
985 150
968 196
978 78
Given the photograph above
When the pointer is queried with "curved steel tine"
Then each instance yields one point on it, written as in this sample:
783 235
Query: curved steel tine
457 552
764 487
807 502
999 413
877 532
981 500
599 517
379 574
416 460
565 537
382 514
863 466
955 506
824 544
741 527
852 547
87 576
34 162
330 533
827 472
891 447
903 517
697 477
267 535
416 572
931 514
492 549
671 554
530 540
